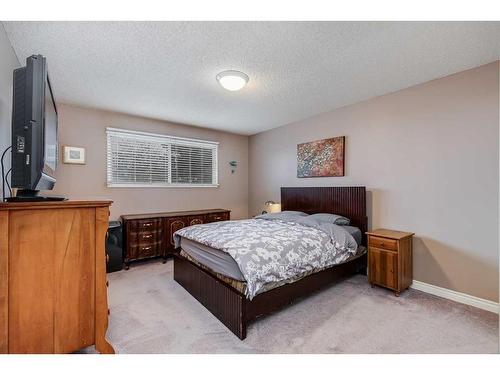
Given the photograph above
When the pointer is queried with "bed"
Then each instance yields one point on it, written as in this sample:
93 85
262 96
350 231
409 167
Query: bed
235 299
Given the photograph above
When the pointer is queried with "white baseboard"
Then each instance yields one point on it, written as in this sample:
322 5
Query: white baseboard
456 296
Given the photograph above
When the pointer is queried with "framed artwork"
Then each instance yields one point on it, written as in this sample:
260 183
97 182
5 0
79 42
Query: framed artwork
323 158
73 155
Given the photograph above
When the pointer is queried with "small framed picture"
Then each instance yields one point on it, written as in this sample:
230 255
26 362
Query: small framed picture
73 155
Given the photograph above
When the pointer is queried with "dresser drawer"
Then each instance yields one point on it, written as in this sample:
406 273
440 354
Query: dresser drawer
144 225
141 251
194 220
383 243
217 217
145 237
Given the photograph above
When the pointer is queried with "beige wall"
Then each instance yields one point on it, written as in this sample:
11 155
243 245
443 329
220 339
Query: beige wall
8 62
86 128
428 156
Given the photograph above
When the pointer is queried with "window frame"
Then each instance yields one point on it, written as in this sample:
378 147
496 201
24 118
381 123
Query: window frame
170 140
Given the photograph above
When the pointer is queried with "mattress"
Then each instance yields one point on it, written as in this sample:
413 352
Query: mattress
222 263
214 259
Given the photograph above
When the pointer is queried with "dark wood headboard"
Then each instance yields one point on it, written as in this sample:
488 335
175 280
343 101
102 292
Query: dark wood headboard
349 201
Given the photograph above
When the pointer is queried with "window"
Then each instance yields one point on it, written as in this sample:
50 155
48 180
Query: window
145 159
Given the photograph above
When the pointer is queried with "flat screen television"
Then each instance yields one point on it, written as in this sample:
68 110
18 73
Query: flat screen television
34 132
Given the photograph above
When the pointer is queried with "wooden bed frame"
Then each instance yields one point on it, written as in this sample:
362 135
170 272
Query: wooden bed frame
232 308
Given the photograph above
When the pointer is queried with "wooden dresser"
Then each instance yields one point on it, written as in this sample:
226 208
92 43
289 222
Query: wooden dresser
151 235
390 259
53 288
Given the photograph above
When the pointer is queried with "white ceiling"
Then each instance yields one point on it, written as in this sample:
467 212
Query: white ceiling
166 70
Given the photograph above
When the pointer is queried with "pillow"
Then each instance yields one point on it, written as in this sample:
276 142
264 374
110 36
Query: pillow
282 215
307 221
330 218
300 213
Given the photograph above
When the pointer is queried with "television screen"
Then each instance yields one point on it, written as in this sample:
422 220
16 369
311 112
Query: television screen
50 124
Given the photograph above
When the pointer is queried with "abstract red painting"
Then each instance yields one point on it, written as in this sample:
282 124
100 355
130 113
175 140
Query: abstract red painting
324 158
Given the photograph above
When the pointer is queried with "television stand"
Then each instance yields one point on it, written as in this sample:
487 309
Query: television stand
36 198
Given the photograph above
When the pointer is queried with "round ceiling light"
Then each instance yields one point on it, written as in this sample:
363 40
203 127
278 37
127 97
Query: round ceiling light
232 80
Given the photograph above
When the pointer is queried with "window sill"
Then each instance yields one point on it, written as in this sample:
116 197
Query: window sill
162 186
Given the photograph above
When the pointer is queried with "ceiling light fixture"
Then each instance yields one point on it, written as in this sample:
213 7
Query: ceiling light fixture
232 80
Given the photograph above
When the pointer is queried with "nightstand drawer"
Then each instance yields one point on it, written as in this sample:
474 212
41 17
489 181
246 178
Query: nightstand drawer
383 243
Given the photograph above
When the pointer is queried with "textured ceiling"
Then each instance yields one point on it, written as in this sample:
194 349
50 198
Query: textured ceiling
166 70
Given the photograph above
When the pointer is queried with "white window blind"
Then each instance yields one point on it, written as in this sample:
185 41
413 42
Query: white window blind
146 159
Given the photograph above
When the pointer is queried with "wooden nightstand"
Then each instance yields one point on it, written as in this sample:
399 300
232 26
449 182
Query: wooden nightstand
390 259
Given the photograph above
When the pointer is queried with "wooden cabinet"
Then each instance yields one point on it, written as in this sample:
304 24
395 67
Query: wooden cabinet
390 259
383 267
151 235
53 289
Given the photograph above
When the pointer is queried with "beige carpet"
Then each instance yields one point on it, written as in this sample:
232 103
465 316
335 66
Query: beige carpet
151 313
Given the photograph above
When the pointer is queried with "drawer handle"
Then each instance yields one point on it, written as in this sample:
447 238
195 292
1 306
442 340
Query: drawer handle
147 224
218 218
382 244
147 236
107 258
146 248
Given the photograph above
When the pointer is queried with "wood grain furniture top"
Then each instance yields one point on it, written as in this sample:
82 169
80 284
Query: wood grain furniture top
54 204
173 213
388 233
53 288
231 307
390 259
